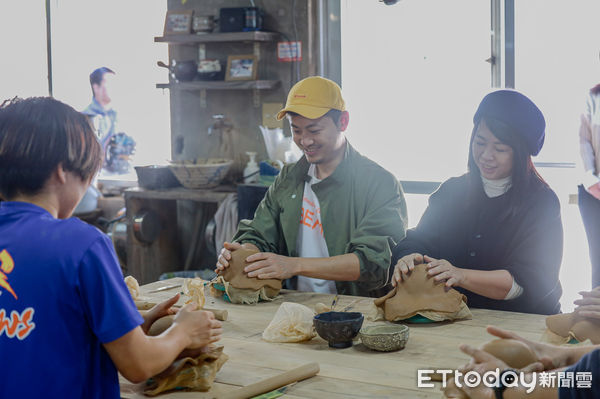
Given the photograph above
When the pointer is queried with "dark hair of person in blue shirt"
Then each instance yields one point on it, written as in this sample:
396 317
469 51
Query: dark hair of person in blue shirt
38 134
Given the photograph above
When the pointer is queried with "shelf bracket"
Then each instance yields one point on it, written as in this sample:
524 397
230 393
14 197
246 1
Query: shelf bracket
256 92
256 98
257 50
201 52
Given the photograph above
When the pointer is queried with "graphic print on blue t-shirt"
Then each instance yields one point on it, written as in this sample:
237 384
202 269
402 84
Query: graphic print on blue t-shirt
62 296
16 325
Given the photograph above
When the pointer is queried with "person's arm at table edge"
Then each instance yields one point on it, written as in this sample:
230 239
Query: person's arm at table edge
139 357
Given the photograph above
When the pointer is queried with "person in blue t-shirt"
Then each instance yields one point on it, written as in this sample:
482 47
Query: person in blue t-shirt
580 365
67 321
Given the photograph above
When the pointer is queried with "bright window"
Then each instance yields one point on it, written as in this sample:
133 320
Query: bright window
23 64
413 74
117 34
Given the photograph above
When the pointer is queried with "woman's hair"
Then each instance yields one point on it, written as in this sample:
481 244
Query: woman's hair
525 176
36 135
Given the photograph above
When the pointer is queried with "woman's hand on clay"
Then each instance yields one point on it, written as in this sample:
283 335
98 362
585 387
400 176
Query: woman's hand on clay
443 271
265 265
589 304
162 309
200 326
405 266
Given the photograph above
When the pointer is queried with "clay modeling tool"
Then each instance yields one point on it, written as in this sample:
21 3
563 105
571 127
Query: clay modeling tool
165 288
212 281
350 305
334 302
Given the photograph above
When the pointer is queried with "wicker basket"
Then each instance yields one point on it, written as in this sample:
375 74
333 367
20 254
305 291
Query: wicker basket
202 173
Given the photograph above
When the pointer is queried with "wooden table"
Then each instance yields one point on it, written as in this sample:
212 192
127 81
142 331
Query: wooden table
354 372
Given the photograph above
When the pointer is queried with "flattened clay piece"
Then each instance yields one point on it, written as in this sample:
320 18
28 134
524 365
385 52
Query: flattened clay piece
561 324
573 325
234 274
418 293
514 353
587 329
192 373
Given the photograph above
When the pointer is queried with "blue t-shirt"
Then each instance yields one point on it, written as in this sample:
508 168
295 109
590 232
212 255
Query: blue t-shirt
589 364
62 296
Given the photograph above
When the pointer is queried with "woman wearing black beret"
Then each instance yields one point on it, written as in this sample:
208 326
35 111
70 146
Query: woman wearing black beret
494 233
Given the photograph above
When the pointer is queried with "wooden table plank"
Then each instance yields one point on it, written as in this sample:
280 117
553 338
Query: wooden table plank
355 372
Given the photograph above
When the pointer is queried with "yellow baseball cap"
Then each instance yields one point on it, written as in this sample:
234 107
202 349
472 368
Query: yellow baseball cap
313 97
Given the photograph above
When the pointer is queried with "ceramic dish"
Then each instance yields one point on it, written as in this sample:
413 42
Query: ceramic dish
384 337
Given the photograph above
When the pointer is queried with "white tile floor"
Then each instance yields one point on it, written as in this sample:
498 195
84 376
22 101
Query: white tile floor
575 274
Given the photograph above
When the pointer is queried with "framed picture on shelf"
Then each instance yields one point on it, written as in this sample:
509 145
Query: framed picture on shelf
178 22
241 67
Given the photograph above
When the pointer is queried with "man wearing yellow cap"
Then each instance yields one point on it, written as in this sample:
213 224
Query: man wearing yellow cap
328 222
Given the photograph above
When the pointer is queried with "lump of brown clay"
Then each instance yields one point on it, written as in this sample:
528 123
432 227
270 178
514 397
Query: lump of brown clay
572 325
417 293
192 373
160 325
234 274
587 329
560 324
514 353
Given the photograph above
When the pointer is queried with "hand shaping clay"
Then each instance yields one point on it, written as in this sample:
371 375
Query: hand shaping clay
452 391
243 289
193 373
573 325
418 293
234 274
514 353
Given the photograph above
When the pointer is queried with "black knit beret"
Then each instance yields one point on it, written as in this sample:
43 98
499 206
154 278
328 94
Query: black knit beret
518 112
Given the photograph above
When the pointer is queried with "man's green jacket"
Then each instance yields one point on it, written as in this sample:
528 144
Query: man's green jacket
363 211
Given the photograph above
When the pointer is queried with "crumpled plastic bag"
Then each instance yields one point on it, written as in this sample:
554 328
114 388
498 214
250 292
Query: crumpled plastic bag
292 322
194 289
133 287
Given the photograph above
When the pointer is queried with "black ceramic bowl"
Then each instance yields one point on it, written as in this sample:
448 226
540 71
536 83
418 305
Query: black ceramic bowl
338 328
